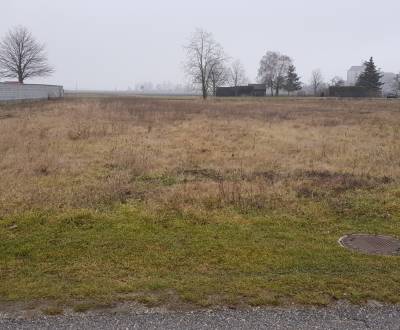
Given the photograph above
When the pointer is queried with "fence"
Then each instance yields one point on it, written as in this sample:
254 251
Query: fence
19 92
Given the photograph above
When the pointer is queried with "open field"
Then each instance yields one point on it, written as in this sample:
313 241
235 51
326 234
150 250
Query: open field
175 201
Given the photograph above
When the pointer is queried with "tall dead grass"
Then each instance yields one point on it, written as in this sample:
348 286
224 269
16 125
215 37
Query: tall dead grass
188 153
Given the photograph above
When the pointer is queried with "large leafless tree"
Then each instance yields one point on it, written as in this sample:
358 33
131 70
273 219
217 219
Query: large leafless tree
22 57
237 74
317 81
273 69
219 76
204 55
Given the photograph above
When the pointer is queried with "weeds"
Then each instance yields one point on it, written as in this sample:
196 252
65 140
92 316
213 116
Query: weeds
226 201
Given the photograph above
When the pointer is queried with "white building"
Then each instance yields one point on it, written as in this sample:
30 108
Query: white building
353 73
388 78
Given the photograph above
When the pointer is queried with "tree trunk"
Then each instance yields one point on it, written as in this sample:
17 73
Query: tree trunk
20 78
204 94
214 88
204 88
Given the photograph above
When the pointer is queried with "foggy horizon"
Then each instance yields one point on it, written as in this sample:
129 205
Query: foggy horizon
102 45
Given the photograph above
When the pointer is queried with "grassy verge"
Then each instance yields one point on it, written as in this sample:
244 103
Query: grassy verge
225 256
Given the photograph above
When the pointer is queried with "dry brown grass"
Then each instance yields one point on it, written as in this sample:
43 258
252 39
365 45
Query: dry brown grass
90 153
221 202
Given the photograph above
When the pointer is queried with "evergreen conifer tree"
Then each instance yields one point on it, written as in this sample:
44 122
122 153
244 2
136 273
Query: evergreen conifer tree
292 81
371 78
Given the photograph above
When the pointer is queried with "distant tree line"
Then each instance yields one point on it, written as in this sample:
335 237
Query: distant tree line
208 66
23 57
278 73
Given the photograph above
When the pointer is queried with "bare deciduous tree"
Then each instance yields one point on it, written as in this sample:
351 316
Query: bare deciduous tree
273 69
22 57
219 77
237 74
204 54
316 81
337 82
396 85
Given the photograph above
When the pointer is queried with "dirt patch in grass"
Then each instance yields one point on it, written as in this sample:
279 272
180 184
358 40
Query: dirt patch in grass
202 174
344 181
317 183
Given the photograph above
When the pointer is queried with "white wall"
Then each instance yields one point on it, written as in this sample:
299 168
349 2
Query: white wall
16 92
353 74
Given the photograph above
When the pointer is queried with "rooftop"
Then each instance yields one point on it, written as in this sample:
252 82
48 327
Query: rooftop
356 68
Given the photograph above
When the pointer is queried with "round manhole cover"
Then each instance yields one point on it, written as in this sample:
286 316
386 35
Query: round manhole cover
372 244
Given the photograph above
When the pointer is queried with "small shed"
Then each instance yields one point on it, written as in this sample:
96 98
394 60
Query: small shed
249 90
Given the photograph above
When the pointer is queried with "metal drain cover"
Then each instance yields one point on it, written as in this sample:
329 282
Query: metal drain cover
372 244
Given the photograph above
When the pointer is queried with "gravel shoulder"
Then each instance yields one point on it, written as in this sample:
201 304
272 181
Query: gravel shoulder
340 316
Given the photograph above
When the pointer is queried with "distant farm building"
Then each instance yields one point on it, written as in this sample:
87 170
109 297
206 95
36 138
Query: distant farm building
240 91
350 91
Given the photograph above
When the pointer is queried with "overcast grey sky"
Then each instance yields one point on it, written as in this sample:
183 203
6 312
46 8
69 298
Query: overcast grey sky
102 44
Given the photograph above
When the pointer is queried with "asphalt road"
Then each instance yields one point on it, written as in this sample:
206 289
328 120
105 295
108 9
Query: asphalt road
342 316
